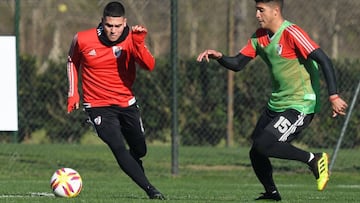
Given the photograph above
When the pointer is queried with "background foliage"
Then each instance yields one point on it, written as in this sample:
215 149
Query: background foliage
202 105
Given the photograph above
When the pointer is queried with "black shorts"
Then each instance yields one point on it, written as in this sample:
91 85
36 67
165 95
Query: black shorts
285 126
113 123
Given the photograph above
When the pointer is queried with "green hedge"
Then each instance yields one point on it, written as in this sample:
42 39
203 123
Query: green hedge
202 100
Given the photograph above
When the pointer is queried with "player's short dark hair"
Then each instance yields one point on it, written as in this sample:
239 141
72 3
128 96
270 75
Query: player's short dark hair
114 9
279 2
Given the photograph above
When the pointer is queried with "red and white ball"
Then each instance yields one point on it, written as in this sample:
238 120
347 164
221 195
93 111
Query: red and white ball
66 182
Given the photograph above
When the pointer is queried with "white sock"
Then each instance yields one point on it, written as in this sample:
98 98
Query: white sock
311 157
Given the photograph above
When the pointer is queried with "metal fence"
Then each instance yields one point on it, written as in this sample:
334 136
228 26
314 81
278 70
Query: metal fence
205 116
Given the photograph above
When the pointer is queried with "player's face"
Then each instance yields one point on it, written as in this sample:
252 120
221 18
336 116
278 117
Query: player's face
265 14
113 27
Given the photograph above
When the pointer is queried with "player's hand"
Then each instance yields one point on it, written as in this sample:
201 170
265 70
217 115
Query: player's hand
73 107
73 103
138 29
209 54
338 105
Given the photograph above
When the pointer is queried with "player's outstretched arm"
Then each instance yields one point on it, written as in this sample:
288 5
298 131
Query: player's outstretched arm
234 63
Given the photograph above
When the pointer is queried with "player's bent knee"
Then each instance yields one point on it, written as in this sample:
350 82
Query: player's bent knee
139 151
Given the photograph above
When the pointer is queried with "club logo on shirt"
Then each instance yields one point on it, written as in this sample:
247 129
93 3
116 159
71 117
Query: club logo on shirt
279 49
116 51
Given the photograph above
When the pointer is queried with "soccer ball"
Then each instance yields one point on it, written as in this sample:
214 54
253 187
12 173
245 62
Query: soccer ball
66 182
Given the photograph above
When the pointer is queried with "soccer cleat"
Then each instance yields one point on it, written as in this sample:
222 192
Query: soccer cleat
153 193
319 167
274 195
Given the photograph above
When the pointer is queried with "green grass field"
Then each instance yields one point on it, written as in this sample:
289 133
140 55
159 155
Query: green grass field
206 174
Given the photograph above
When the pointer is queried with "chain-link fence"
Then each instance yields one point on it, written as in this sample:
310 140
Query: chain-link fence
211 111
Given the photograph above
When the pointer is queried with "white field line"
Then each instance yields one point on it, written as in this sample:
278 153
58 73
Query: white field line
32 194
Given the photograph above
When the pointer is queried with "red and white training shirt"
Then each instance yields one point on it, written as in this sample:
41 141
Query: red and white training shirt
107 72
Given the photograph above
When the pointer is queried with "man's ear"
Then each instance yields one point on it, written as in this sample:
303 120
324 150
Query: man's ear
277 10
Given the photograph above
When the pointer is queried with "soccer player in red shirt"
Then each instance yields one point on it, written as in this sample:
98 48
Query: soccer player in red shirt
105 57
293 60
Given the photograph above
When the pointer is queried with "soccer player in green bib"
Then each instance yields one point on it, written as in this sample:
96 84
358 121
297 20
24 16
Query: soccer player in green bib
293 59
